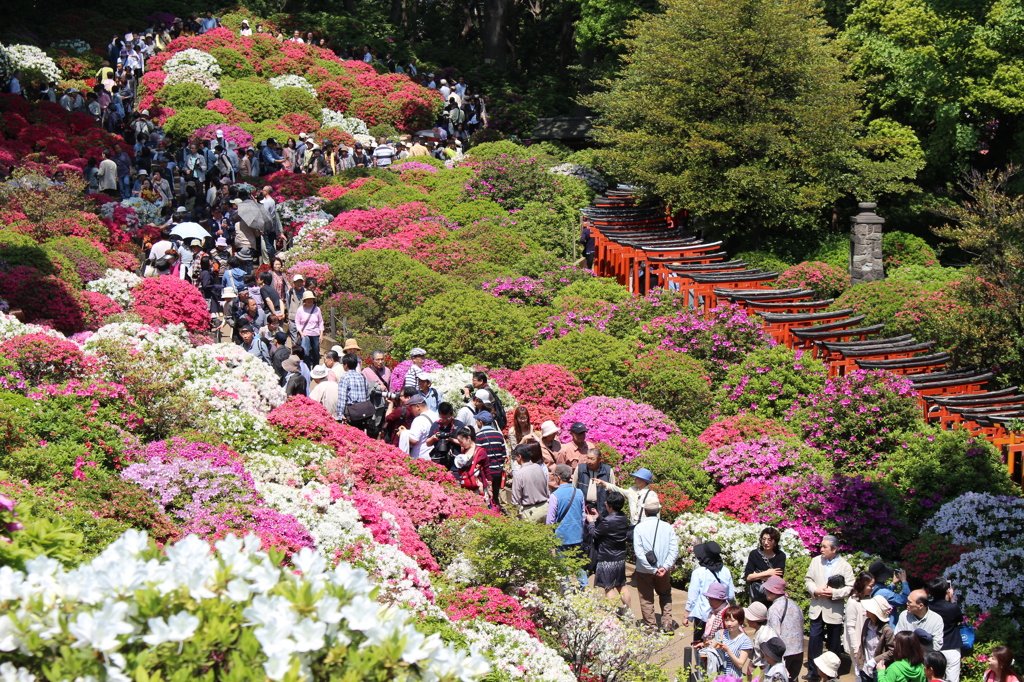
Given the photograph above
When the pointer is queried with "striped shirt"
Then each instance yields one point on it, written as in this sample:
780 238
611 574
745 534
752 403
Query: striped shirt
493 442
412 377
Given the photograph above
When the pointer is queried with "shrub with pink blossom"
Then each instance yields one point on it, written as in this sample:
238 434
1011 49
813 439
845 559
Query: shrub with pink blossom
490 604
828 281
97 309
740 501
232 133
414 166
548 385
742 427
310 268
122 260
855 509
719 340
41 357
169 300
762 460
769 381
857 417
378 222
629 427
402 368
520 290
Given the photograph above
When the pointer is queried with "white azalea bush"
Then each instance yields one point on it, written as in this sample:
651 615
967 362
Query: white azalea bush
118 285
11 327
6 64
736 539
193 66
34 64
450 381
148 212
292 81
164 345
231 379
982 519
72 45
594 180
990 579
515 653
136 612
350 124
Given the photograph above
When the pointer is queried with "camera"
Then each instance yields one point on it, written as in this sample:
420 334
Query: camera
443 446
377 391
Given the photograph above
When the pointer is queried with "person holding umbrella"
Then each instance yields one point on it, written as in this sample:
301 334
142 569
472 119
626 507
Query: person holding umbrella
253 221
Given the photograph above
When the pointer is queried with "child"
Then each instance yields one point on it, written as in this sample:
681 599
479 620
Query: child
934 666
774 651
732 642
828 666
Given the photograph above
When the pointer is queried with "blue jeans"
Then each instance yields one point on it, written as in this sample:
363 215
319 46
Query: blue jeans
126 187
311 344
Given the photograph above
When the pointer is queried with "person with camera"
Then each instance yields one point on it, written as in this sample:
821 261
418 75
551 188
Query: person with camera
441 436
657 549
892 585
829 582
480 386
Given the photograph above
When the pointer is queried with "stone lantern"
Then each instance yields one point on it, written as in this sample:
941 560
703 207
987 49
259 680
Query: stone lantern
866 245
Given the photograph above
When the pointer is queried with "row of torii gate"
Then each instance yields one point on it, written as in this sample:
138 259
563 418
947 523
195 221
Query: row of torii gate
640 247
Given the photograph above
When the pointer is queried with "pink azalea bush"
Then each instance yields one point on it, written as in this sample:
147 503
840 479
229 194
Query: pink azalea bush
853 508
761 460
520 290
548 385
97 308
310 268
41 357
719 340
232 133
629 427
740 501
742 427
857 417
169 300
490 604
378 222
827 280
402 368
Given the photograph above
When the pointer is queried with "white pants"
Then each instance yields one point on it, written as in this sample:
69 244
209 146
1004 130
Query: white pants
952 665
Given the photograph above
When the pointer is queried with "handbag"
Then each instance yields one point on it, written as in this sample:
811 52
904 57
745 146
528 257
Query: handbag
649 555
755 588
360 412
592 491
967 636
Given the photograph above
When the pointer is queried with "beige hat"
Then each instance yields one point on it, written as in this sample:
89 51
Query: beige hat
878 605
548 428
828 665
652 505
318 372
308 296
757 612
228 292
351 344
298 278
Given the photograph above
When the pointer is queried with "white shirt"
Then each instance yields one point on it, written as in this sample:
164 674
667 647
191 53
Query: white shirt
159 250
418 432
931 623
326 393
445 92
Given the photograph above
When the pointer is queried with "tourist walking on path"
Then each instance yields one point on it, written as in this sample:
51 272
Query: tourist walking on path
657 548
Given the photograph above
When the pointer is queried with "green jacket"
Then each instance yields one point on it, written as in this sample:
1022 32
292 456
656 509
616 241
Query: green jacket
902 671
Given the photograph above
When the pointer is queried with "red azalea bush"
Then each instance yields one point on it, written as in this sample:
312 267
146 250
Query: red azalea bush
41 357
378 222
490 604
334 95
740 501
426 242
742 427
674 500
122 260
828 281
97 308
170 300
287 185
930 554
45 300
226 109
548 385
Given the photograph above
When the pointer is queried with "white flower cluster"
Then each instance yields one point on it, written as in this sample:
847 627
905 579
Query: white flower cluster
515 652
313 235
193 66
594 180
990 578
336 119
981 518
117 284
231 379
125 603
164 345
11 327
7 66
290 81
72 45
147 211
243 432
450 381
34 64
736 539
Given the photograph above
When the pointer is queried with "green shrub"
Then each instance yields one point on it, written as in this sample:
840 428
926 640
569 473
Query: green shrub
493 150
900 249
678 460
827 281
187 121
385 130
768 381
676 384
600 288
299 101
469 327
395 196
556 271
428 160
447 540
259 100
880 301
469 212
934 277
938 466
494 243
834 250
395 282
508 553
928 312
20 249
555 226
599 360
40 537
553 148
232 63
184 96
43 465
763 260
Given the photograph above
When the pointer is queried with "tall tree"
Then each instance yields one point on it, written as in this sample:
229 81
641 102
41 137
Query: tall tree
743 112
494 39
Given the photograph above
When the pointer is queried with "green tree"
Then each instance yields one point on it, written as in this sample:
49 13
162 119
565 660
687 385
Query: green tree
745 113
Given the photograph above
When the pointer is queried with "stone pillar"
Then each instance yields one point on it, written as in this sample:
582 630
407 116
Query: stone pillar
866 245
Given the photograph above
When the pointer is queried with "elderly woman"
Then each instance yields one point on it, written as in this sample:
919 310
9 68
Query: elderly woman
309 321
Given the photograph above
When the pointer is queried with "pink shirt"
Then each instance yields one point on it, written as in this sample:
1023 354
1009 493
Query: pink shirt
309 322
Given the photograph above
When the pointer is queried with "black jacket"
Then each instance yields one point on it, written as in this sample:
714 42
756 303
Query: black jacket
608 537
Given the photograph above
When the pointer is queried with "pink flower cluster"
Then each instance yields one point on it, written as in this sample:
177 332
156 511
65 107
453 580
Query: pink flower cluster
629 427
547 385
310 268
490 604
398 530
521 290
827 280
742 427
760 460
740 501
241 138
378 222
170 300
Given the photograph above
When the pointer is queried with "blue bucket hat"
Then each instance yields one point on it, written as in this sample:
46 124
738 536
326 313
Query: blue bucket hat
644 475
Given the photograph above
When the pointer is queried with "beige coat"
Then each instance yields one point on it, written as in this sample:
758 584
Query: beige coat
107 175
830 610
853 630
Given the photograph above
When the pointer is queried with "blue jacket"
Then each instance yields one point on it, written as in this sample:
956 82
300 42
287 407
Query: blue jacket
233 278
570 529
895 599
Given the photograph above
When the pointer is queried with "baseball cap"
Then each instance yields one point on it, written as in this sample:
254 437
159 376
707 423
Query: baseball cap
219 133
482 395
426 376
144 112
416 352
418 400
652 505
298 278
578 427
281 337
181 209
484 417
563 471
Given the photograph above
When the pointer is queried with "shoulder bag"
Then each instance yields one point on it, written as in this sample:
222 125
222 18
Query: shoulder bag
565 511
755 588
649 555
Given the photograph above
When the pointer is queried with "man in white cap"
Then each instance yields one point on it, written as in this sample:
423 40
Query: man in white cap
294 302
227 299
657 548
412 377
323 391
427 390
445 90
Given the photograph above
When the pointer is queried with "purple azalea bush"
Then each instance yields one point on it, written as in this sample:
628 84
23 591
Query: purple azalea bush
629 427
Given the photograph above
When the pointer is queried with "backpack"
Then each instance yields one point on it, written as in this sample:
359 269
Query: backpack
499 411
